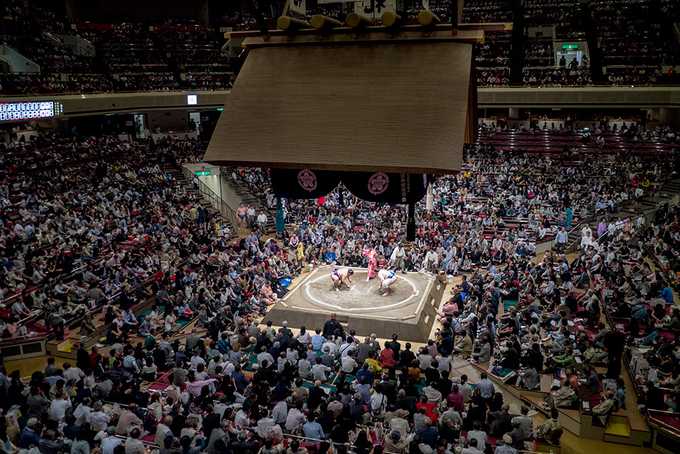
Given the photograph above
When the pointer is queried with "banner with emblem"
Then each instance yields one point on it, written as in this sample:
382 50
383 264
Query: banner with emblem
298 7
386 187
303 183
380 187
374 8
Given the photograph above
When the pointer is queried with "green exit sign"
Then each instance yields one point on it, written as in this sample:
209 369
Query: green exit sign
570 46
202 173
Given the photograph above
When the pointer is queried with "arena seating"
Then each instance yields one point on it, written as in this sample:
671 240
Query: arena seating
475 11
127 56
492 59
557 245
635 40
565 15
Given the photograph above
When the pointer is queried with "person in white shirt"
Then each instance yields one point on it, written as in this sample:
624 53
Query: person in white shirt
329 348
586 237
163 430
133 445
320 370
82 412
304 368
295 419
347 347
397 257
378 402
261 220
424 359
242 419
430 261
196 359
472 448
109 443
264 355
478 435
58 407
280 412
72 373
98 419
250 215
348 364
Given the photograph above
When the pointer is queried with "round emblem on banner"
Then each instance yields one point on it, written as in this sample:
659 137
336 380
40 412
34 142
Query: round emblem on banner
307 180
378 183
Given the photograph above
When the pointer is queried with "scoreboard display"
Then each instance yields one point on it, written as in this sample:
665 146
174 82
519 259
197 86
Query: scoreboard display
23 111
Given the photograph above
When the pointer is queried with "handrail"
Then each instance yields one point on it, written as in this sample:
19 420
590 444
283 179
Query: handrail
115 92
350 445
227 211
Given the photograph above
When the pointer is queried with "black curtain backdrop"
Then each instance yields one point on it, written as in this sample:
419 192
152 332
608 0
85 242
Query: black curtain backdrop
392 188
303 183
386 187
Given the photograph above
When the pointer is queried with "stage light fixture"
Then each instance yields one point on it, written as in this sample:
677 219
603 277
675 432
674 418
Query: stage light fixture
321 22
355 20
390 19
290 24
427 18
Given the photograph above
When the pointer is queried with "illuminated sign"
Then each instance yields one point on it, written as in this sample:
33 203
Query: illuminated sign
17 111
570 46
202 173
192 100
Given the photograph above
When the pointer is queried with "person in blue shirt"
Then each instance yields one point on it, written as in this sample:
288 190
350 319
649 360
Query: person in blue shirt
364 375
317 341
223 345
667 294
312 429
240 380
29 436
568 217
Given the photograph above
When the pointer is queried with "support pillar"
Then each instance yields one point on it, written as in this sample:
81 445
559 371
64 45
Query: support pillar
411 222
203 13
280 222
70 9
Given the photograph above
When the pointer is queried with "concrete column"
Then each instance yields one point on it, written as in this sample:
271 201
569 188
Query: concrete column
70 8
513 113
665 116
203 12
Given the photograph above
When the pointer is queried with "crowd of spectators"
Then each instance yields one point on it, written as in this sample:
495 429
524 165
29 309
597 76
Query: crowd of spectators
493 77
631 33
74 234
643 75
556 76
491 223
539 52
634 39
564 15
111 219
494 53
476 11
116 57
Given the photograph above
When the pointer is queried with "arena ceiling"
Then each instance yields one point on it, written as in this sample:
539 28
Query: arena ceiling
399 106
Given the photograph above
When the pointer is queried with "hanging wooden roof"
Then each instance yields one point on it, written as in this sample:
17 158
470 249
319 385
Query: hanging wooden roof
372 103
